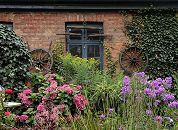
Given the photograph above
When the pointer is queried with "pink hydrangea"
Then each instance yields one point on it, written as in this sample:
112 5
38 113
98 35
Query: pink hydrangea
67 89
21 118
40 107
27 91
80 101
53 84
25 99
78 87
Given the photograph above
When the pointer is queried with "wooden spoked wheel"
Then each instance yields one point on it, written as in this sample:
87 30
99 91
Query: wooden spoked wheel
133 60
42 60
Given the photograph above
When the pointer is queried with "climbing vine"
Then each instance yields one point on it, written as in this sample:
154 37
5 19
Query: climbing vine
110 64
156 32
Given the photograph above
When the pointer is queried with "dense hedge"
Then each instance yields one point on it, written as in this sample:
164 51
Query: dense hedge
156 32
14 58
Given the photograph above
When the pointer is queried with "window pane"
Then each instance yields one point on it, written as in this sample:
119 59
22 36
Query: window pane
75 50
75 34
93 34
93 51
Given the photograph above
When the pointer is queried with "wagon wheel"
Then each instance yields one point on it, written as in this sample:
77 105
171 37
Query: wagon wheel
42 60
133 60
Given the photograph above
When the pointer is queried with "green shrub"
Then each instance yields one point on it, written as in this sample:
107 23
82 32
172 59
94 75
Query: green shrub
104 91
75 69
14 58
156 32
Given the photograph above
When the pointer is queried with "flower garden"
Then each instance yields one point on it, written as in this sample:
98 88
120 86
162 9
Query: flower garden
76 95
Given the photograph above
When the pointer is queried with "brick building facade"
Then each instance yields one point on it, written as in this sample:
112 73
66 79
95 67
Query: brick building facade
38 22
40 28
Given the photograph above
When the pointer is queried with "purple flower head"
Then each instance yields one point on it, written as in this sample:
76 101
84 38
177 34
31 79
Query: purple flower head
156 103
168 82
159 80
150 92
126 86
149 112
152 95
140 74
126 81
111 110
142 77
168 97
147 91
158 119
125 90
102 117
155 84
160 90
173 104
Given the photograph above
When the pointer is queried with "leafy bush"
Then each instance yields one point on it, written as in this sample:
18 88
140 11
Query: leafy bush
156 32
103 92
14 58
75 69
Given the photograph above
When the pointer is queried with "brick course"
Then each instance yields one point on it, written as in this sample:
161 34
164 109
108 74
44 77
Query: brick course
39 28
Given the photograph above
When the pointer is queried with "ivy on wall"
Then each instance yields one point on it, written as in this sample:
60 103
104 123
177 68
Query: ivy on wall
14 58
110 64
156 32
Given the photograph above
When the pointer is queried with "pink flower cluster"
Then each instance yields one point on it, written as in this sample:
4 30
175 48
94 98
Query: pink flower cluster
80 101
44 117
21 118
66 88
24 97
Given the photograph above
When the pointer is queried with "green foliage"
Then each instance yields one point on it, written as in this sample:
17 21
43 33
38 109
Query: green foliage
104 92
156 32
75 69
175 88
14 58
110 65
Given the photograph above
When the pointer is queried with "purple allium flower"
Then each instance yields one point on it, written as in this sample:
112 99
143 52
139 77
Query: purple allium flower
147 91
168 82
140 74
159 80
156 103
168 97
125 90
111 110
173 104
152 95
126 86
102 117
149 112
119 128
150 92
155 84
126 81
158 119
142 77
160 90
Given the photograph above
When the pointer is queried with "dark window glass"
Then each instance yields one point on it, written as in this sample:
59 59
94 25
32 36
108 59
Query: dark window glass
93 51
93 34
76 50
75 34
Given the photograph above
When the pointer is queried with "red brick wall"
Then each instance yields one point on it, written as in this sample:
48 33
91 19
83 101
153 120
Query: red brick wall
39 28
